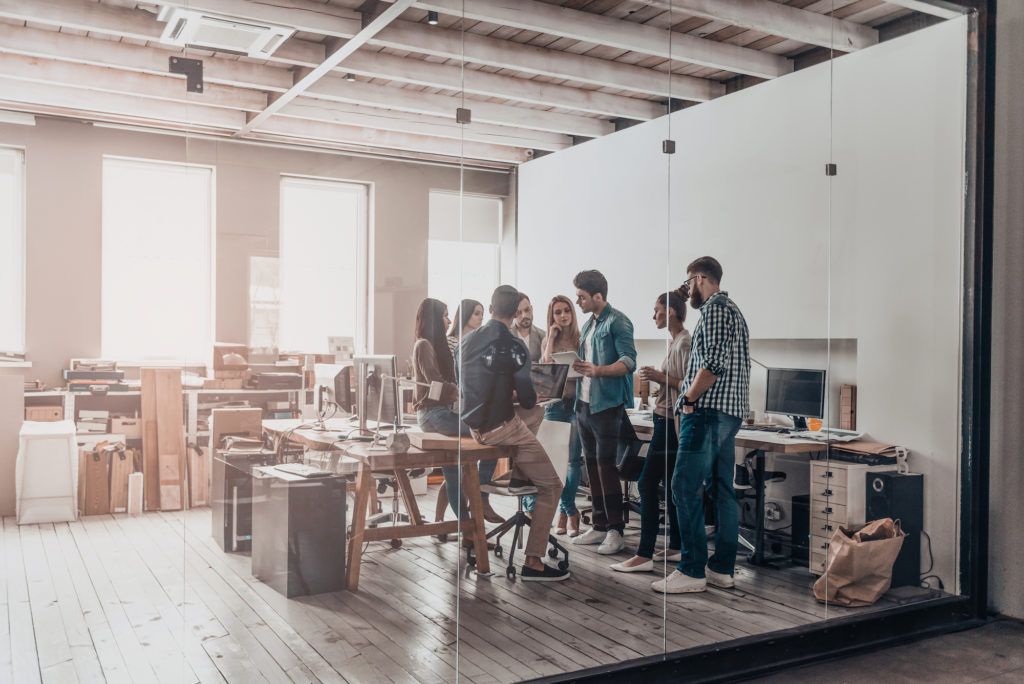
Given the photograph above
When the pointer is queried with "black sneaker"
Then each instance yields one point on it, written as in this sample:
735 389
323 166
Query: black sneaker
548 574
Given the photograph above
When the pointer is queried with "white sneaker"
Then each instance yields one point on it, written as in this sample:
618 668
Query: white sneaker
719 579
589 537
646 566
613 543
670 555
678 583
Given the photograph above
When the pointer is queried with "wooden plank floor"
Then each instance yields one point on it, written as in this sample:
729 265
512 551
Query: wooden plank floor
152 599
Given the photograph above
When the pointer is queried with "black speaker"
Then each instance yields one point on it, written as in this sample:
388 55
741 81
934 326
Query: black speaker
900 497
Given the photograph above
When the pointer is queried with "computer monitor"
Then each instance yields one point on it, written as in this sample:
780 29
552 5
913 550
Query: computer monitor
378 396
795 392
332 390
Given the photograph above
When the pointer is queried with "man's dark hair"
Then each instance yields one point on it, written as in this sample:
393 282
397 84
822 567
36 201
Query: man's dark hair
522 296
706 266
504 302
592 282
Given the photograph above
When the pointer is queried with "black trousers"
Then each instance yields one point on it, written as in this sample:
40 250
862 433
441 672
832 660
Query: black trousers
599 434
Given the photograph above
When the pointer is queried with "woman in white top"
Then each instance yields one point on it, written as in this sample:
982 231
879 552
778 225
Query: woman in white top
670 312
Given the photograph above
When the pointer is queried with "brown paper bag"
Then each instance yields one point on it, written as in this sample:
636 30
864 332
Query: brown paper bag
858 568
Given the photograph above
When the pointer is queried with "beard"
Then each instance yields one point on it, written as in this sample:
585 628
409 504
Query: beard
696 298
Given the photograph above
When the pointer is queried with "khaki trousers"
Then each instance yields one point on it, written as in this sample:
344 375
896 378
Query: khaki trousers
530 463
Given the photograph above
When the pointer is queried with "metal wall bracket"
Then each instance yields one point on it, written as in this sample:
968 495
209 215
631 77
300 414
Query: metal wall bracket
192 69
668 146
831 169
463 115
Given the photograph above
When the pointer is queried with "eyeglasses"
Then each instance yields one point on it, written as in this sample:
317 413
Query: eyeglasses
687 281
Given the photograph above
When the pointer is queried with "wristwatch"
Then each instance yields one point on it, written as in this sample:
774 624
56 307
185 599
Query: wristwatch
687 402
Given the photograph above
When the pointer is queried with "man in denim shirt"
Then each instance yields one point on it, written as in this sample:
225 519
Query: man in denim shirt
603 393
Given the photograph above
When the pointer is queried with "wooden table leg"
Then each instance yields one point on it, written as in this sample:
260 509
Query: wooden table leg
413 508
471 488
364 483
442 502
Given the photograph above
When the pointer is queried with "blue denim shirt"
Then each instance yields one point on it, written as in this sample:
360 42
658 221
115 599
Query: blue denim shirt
613 341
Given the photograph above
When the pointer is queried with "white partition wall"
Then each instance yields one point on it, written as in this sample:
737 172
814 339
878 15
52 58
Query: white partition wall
880 263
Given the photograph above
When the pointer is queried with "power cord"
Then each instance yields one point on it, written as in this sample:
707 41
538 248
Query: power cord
931 565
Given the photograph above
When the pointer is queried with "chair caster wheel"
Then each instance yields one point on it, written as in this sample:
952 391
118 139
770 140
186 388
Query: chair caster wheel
586 519
552 552
396 543
442 537
510 573
563 565
498 551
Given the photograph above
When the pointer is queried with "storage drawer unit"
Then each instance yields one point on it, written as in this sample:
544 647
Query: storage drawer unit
837 500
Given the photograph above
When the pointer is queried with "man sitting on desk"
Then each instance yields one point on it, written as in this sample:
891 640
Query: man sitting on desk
715 396
493 373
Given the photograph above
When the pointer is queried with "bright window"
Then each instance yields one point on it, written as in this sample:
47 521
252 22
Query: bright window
157 261
323 263
463 252
264 302
12 256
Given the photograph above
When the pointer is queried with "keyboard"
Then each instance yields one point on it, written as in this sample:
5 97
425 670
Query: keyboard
303 470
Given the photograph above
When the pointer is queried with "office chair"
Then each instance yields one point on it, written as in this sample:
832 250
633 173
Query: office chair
631 454
516 523
395 515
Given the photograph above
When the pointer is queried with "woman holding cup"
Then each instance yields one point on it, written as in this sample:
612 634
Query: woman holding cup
669 312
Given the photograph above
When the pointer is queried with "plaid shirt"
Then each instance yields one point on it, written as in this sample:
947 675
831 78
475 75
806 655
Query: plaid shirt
721 344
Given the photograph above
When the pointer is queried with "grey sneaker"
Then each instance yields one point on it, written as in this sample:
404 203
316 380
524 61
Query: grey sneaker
719 579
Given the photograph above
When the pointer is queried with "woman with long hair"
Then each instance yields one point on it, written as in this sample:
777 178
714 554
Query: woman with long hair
433 364
468 317
669 312
564 335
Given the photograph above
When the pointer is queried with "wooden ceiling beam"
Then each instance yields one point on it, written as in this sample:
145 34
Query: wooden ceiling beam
532 15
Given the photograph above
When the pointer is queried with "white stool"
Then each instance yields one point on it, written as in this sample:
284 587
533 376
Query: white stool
46 474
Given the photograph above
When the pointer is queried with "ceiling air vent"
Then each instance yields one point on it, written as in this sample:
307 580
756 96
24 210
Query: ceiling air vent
195 29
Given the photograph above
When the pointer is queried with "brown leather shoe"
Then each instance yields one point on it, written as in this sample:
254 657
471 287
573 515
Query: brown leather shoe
562 520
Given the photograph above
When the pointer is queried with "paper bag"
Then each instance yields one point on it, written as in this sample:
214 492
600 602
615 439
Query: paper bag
858 568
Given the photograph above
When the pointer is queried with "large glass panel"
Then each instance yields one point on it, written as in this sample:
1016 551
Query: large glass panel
898 336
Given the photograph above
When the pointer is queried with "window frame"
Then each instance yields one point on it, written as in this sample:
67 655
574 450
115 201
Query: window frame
364 337
138 362
22 333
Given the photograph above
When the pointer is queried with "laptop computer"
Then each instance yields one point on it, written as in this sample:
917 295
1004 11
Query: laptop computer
549 380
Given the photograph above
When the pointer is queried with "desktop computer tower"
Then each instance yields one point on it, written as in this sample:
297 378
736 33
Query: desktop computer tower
900 497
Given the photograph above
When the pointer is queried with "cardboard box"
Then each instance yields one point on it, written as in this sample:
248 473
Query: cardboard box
131 428
44 414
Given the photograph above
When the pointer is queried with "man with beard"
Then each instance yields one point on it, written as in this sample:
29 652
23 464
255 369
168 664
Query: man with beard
526 331
714 398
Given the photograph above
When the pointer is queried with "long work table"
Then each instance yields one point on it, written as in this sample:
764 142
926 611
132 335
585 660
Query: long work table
382 460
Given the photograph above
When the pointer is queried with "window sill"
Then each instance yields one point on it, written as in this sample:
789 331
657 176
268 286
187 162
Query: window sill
15 364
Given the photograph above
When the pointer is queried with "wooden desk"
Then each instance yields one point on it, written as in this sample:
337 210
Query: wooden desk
380 460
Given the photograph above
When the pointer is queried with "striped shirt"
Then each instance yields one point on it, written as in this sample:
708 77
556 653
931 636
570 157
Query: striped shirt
721 344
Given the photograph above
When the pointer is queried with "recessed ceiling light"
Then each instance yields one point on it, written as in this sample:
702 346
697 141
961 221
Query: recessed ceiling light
432 18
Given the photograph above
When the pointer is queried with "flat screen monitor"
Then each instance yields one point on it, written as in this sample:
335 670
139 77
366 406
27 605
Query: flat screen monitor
333 388
377 393
796 392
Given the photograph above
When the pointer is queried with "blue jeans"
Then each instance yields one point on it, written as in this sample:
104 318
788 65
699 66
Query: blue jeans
443 420
707 452
659 466
574 473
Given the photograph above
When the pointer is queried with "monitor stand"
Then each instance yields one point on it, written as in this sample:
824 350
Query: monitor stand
799 422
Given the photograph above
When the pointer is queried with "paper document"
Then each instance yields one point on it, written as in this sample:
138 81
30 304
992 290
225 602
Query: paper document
567 359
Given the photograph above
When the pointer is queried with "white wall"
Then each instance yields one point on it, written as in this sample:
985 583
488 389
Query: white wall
878 262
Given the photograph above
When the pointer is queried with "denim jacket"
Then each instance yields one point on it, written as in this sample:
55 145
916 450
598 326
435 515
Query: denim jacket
613 341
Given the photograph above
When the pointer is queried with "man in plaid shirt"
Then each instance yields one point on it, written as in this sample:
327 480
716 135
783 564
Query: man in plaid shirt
713 399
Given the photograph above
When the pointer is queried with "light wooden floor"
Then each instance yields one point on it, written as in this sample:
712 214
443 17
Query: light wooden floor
153 599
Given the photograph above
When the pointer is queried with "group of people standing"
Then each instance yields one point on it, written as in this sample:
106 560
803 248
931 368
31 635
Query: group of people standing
703 394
